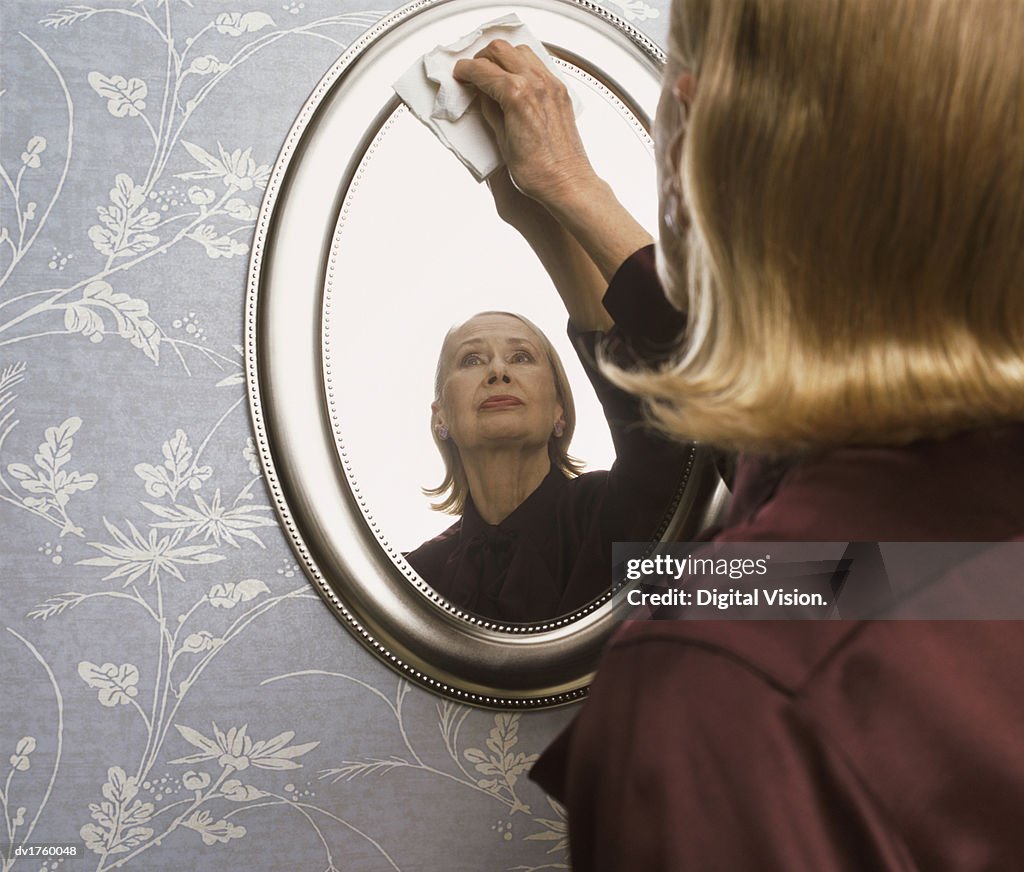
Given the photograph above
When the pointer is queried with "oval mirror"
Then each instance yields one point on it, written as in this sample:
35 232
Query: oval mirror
373 240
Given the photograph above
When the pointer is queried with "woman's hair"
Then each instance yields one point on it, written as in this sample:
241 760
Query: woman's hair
454 489
845 222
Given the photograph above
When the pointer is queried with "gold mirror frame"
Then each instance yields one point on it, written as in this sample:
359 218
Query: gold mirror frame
292 393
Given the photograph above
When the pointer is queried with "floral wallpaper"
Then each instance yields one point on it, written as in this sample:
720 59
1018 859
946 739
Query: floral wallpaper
174 693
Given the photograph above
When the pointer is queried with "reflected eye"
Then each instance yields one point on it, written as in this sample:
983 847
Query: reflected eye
472 359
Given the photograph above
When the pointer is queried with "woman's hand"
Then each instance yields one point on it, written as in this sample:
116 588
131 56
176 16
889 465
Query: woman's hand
531 113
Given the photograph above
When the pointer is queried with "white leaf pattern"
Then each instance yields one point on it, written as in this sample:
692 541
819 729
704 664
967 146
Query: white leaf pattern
19 760
213 520
50 485
213 831
137 556
117 684
217 246
125 224
30 156
234 790
502 768
227 596
236 169
196 643
636 10
131 318
118 826
124 96
237 23
201 196
206 65
177 471
238 208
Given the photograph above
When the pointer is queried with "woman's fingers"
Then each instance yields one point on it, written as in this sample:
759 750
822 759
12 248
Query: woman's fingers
487 77
512 58
494 117
531 112
504 71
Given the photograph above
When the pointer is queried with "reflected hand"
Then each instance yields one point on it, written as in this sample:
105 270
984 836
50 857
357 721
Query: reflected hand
531 113
523 213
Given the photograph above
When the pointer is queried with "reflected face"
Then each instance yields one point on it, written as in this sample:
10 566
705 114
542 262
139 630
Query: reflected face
499 387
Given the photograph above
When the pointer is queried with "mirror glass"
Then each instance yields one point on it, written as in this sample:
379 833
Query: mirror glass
423 249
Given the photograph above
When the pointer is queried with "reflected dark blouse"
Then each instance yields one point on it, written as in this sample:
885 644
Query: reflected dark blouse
552 555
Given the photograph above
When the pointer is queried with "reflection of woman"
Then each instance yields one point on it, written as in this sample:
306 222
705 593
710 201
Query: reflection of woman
534 537
843 201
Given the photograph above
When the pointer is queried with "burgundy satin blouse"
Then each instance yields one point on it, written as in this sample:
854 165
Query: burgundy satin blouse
816 746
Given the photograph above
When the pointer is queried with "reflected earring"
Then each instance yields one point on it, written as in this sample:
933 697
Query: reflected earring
442 432
559 429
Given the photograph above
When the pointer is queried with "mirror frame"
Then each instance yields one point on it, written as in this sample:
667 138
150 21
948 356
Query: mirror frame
392 613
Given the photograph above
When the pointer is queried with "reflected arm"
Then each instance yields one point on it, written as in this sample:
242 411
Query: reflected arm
589 210
581 243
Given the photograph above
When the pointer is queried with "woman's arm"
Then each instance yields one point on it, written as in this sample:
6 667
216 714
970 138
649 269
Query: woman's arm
577 279
531 113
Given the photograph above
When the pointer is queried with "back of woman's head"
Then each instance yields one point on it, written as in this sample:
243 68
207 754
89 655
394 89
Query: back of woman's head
853 261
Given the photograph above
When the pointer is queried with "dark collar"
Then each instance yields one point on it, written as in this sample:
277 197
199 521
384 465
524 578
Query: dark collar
533 518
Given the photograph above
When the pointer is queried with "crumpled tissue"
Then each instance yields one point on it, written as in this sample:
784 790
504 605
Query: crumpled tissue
446 106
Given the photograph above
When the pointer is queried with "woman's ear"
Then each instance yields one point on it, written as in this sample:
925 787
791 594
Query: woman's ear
685 89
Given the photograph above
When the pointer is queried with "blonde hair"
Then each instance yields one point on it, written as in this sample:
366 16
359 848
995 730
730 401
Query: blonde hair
454 489
851 250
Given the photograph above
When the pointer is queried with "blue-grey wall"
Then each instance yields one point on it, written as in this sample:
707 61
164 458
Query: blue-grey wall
174 694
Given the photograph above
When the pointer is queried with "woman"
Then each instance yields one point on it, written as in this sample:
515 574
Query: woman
842 187
534 537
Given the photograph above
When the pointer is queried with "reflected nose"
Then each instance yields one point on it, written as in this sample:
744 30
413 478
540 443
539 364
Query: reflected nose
498 371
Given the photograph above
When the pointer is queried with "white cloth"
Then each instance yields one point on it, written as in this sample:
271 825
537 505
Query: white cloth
446 106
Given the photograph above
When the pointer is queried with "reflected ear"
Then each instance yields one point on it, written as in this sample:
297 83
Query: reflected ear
559 426
435 421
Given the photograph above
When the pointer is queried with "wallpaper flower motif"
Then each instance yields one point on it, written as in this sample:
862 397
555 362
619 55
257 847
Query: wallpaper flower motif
175 695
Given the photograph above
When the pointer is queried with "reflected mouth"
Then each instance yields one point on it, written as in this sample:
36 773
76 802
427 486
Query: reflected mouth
500 401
